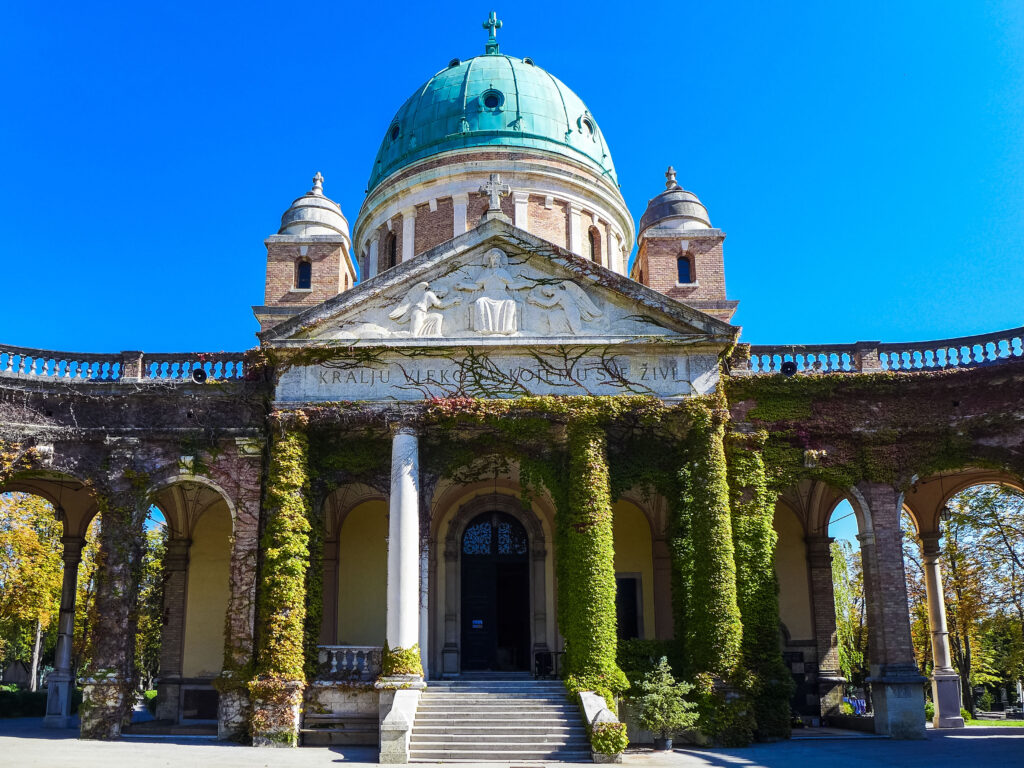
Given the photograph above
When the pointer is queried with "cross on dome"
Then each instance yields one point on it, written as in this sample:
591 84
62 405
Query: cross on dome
495 190
492 25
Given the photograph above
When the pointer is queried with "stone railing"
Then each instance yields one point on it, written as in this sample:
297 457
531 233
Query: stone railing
349 663
74 367
875 356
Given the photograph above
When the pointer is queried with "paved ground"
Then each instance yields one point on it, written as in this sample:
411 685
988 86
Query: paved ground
24 743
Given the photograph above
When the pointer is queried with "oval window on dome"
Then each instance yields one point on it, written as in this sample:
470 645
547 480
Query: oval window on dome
394 132
586 126
492 99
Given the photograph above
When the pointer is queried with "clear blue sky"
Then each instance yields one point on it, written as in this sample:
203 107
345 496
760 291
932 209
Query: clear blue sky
864 158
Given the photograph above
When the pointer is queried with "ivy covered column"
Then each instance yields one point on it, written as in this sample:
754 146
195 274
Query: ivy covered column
823 602
897 690
108 686
757 587
61 682
242 473
586 565
279 681
172 638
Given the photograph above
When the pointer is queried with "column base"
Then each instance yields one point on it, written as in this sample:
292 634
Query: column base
897 697
946 695
276 712
397 714
104 705
168 699
233 708
59 688
830 692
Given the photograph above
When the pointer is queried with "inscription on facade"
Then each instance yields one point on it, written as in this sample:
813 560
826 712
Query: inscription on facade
395 376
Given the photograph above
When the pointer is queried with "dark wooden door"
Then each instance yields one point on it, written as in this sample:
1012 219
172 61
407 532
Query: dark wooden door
495 594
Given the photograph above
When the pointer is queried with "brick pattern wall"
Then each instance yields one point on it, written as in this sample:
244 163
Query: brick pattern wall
172 638
551 224
434 227
478 205
327 260
382 242
657 264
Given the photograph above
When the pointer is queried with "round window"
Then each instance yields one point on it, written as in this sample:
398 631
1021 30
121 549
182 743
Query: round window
394 133
493 99
587 127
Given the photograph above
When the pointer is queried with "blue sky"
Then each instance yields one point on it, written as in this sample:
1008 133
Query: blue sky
865 159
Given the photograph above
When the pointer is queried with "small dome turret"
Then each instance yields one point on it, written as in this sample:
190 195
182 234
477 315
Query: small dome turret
314 214
675 208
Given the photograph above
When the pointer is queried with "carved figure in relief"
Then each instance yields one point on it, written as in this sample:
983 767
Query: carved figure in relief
494 311
415 310
571 299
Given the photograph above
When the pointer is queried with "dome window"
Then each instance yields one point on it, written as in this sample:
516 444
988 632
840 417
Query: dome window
587 126
492 99
454 63
394 133
303 275
529 61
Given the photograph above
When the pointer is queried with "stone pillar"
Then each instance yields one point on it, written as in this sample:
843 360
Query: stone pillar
823 600
897 690
408 233
522 210
172 638
459 205
662 589
243 474
329 621
403 610
61 682
945 680
109 684
424 602
371 260
575 229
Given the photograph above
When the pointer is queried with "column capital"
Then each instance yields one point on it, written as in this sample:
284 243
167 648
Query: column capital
460 198
177 553
929 542
866 539
72 549
402 428
409 212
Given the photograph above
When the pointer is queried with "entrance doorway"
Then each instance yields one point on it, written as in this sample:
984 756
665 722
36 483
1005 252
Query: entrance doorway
495 594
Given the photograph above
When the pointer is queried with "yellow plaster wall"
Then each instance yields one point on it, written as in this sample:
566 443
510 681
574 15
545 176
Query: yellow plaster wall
634 554
362 575
206 602
791 570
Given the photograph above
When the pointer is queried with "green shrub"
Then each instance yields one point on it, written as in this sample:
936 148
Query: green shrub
846 708
22 703
663 708
929 711
985 701
609 738
965 714
638 657
150 697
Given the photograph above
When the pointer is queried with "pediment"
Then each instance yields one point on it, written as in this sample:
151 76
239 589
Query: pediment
498 285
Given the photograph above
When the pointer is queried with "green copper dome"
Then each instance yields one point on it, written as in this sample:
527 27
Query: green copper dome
492 101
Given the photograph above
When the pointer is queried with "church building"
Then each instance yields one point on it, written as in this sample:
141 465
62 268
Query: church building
477 454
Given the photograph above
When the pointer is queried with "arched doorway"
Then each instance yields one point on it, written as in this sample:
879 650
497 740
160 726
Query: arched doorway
495 594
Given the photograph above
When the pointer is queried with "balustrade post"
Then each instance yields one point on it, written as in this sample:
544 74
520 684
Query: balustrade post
61 682
131 366
866 357
945 680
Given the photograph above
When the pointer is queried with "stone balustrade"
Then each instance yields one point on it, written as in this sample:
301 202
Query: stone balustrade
349 662
85 367
875 356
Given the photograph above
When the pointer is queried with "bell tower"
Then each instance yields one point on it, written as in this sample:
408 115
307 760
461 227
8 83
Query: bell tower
308 260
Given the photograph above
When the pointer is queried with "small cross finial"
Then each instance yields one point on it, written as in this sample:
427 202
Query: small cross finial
495 190
670 178
492 25
318 184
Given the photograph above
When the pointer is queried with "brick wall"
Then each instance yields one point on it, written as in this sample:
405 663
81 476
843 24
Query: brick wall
434 227
657 261
478 205
327 260
551 224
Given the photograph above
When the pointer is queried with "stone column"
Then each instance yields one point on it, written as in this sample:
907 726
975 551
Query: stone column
408 233
662 589
61 681
897 690
172 638
371 260
945 680
459 205
522 210
403 610
575 229
823 601
329 621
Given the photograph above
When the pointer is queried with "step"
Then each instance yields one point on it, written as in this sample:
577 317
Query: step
478 731
532 740
496 707
499 755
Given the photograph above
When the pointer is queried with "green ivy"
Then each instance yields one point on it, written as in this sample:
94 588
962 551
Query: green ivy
608 738
585 555
401 661
769 681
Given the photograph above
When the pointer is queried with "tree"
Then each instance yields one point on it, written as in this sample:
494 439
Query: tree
150 607
917 596
663 707
30 576
851 633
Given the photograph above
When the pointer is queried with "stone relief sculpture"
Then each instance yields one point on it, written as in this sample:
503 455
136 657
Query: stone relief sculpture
415 310
494 310
570 298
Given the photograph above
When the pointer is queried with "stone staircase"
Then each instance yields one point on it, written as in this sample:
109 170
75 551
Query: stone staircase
507 721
